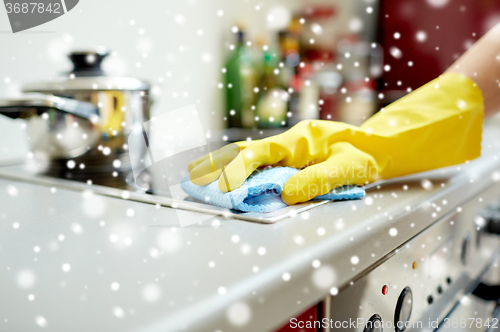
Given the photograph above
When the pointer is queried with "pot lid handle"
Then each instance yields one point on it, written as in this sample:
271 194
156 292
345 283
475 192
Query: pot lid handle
88 62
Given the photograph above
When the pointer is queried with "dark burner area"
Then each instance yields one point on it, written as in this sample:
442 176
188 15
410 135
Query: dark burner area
107 179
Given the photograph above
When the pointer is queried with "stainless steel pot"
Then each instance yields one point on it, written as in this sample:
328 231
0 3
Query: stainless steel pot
97 139
58 127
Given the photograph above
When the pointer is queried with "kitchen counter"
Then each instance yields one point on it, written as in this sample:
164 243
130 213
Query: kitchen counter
78 261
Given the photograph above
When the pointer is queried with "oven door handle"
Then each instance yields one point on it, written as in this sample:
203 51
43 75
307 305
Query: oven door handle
487 292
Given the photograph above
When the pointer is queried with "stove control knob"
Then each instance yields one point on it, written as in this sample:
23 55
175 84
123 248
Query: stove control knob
490 219
403 310
374 324
480 223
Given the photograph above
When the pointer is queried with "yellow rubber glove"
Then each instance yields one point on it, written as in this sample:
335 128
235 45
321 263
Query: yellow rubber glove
437 125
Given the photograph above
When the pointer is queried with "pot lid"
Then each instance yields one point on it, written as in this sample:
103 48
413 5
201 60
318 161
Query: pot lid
87 75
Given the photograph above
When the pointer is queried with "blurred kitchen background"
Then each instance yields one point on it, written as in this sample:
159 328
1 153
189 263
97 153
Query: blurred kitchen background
252 67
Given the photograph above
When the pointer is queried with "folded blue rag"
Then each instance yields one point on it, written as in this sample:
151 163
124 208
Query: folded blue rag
260 192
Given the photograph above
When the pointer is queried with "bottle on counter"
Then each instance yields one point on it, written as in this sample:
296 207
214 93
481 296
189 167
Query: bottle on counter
319 33
295 86
357 101
285 69
309 94
271 106
329 82
289 48
240 80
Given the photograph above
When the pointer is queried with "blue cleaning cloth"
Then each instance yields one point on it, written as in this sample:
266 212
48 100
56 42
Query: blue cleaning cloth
260 192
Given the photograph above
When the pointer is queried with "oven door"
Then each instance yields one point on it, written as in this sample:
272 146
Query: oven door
472 314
